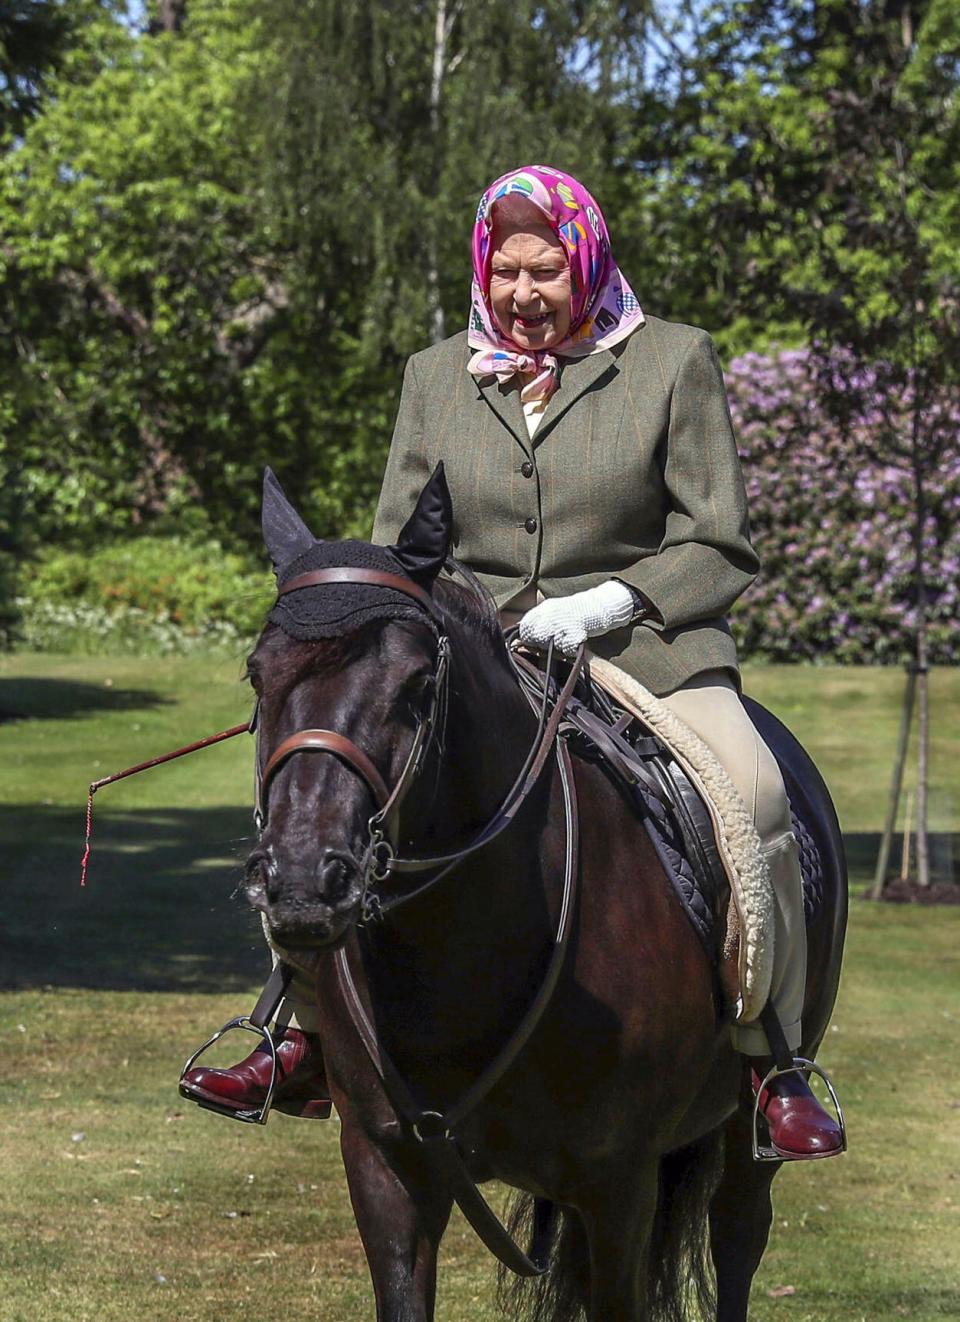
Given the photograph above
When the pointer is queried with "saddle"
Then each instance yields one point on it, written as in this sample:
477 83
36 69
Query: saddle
673 811
730 910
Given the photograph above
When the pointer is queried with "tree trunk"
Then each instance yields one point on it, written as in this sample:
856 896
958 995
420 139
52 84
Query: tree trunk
170 16
923 730
886 841
923 756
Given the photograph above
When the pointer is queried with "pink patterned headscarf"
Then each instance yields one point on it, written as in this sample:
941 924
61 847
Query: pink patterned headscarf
603 308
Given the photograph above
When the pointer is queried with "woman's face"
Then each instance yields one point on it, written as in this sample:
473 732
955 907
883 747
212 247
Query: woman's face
530 285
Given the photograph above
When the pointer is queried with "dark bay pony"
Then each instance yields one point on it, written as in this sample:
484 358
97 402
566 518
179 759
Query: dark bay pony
625 1107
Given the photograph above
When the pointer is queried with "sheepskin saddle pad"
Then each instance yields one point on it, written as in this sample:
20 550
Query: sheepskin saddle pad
725 843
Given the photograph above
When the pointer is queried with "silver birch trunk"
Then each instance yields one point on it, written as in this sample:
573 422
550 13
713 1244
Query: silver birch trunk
923 752
903 742
923 677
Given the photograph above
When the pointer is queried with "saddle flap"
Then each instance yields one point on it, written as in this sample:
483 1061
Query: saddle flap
737 844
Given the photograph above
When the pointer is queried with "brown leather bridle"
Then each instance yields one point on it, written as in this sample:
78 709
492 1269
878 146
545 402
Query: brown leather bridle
380 859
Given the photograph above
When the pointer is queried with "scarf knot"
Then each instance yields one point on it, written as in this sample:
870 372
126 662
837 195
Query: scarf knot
504 364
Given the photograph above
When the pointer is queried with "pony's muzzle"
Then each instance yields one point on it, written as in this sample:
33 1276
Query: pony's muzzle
304 905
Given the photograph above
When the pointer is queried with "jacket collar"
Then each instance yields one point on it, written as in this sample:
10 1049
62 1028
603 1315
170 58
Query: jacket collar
577 376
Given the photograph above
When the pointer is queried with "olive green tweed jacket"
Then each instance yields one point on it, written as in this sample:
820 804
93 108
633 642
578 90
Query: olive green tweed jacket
633 473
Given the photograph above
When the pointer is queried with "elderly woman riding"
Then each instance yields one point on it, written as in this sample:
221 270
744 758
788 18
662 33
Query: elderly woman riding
597 494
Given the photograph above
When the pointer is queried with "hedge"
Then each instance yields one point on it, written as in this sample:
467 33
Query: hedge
150 595
833 530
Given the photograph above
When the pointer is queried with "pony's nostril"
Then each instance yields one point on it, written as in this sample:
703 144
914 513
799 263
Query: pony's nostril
282 886
259 874
336 876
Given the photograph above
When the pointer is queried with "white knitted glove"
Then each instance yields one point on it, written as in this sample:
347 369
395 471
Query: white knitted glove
569 621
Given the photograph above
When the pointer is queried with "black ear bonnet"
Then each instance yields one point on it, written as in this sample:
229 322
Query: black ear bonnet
332 609
329 609
424 539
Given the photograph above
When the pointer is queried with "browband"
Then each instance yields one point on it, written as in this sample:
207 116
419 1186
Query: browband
375 577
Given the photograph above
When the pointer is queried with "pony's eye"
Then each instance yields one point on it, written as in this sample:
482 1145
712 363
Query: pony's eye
419 689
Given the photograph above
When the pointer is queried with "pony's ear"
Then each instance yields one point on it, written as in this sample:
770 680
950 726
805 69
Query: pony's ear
424 542
284 532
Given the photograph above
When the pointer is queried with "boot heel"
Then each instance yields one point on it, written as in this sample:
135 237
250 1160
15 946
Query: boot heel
314 1108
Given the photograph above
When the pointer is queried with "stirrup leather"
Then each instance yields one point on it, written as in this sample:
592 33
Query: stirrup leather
763 1151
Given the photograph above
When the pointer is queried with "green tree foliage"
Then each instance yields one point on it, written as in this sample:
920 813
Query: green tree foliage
34 37
134 276
805 173
222 237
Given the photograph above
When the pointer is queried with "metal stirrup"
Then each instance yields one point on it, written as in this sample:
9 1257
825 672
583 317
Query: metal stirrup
786 1063
255 1022
763 1151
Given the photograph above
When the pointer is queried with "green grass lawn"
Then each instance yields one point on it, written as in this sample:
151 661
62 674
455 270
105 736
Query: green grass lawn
120 1202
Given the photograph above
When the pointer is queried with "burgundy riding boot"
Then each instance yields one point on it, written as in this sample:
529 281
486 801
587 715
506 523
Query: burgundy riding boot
301 1084
800 1129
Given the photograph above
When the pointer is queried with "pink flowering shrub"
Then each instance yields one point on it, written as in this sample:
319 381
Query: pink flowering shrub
833 526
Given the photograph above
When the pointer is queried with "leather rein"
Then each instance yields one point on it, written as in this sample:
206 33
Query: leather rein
435 1130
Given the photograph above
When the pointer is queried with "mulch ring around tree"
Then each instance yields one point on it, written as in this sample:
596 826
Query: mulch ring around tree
910 892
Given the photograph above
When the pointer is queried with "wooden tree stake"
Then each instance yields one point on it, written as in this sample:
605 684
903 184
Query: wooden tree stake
906 718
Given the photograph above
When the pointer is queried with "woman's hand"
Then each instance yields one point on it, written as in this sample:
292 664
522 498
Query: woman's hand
570 621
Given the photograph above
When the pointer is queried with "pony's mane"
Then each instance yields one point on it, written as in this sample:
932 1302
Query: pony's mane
469 602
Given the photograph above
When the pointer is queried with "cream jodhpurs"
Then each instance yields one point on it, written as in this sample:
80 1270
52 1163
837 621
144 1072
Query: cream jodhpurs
710 705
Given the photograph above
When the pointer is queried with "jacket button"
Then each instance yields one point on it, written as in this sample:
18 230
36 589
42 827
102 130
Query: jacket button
531 525
526 468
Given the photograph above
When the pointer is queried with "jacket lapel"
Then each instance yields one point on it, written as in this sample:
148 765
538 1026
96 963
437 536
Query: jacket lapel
506 405
576 377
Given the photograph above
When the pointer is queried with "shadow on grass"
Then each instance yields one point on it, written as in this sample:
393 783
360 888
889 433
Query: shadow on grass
60 699
158 912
